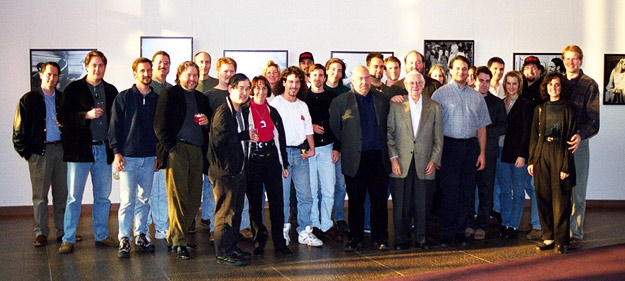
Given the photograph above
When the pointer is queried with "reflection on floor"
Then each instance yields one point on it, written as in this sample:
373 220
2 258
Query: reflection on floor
19 260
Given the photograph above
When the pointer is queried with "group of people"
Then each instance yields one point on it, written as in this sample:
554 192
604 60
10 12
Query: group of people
225 142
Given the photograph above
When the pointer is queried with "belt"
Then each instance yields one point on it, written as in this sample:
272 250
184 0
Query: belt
552 139
301 146
97 142
258 154
53 142
260 145
462 140
186 142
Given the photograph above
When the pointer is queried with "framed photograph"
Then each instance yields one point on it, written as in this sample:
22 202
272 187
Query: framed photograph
71 61
180 49
614 79
548 61
352 59
440 52
252 62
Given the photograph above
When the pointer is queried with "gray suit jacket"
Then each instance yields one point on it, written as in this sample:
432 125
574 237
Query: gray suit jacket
345 123
426 146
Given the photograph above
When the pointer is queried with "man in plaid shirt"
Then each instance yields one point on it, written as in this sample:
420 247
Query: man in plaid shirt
585 101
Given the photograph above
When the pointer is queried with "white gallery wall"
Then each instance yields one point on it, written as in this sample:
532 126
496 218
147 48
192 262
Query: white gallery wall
499 28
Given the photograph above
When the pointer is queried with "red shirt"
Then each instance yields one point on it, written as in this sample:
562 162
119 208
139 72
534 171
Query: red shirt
262 121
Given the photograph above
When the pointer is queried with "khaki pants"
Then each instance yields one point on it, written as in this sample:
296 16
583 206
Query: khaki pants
183 178
45 171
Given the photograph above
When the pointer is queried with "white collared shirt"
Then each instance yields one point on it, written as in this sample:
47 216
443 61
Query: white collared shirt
415 113
499 91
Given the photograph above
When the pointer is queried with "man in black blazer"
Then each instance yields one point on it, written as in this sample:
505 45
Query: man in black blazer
358 120
180 124
37 138
85 115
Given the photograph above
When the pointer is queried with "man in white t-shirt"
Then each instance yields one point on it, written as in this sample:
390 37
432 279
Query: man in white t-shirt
300 146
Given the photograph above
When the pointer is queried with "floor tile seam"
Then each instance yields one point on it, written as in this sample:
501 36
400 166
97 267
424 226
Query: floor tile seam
49 262
383 265
280 272
475 256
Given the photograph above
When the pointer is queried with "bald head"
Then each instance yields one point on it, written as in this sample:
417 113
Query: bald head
361 81
414 84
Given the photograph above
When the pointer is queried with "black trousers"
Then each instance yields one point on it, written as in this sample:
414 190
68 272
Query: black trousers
485 181
267 171
229 192
553 196
412 198
371 178
457 183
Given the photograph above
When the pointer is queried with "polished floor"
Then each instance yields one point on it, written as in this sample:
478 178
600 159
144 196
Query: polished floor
19 260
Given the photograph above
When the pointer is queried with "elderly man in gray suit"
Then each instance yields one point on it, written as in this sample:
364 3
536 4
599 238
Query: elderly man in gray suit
358 120
415 144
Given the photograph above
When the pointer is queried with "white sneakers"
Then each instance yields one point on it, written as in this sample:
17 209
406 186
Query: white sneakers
285 232
306 237
160 234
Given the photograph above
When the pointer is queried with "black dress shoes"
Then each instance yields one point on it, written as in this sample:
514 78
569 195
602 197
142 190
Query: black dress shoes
446 241
544 247
561 249
231 260
460 239
182 253
259 252
240 254
352 245
402 246
285 251
381 245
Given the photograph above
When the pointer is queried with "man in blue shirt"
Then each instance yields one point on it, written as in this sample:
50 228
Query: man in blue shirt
37 138
465 116
132 138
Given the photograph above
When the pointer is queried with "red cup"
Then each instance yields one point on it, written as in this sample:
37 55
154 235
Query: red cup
197 118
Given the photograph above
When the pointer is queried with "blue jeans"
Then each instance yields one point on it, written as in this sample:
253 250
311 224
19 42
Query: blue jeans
529 189
322 181
135 186
582 162
208 203
298 173
339 193
512 181
159 212
77 173
496 194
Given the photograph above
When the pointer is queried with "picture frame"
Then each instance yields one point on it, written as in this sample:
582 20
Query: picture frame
252 62
548 61
352 59
180 49
614 79
440 52
71 62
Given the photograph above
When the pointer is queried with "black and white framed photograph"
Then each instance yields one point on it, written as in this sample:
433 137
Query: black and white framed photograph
440 52
614 79
71 61
548 61
252 62
180 49
352 59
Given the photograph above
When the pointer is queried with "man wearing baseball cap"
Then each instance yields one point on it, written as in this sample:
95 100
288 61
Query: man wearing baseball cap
532 78
306 60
